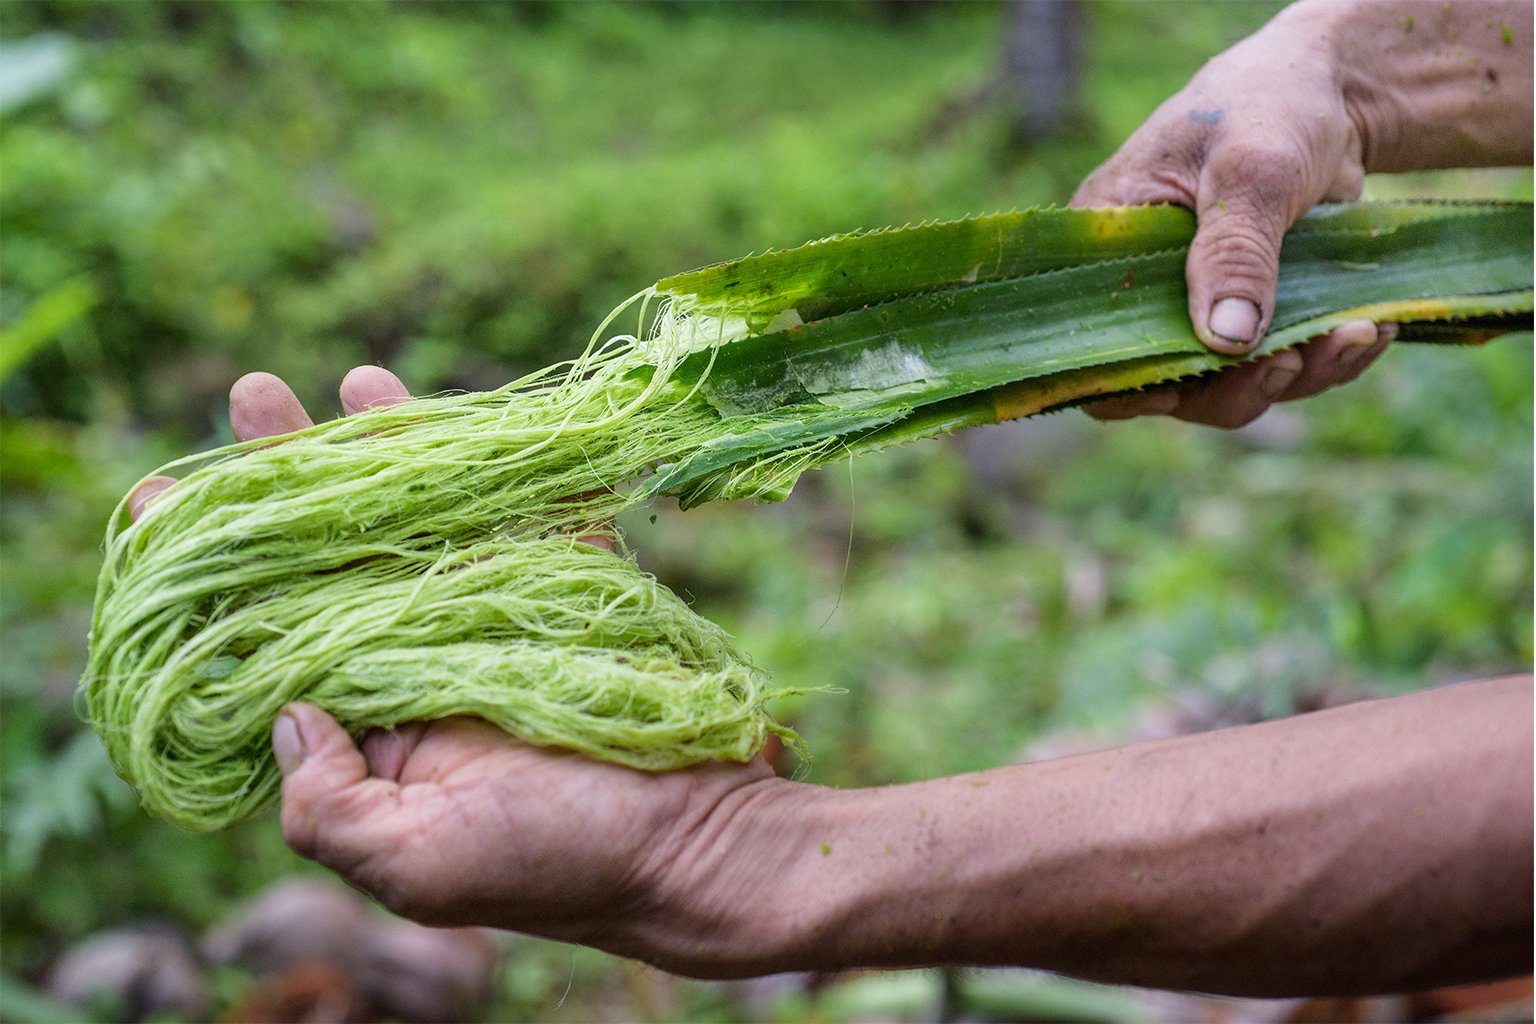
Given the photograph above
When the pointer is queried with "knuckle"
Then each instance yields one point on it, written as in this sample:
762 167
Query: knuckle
1161 185
1241 249
1285 359
1266 170
1347 185
1262 186
1095 190
1158 164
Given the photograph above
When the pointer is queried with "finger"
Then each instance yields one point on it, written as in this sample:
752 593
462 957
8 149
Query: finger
147 491
1385 335
1369 356
387 750
1246 202
1237 397
368 387
261 405
1096 190
1151 402
1146 186
327 792
1327 360
1160 163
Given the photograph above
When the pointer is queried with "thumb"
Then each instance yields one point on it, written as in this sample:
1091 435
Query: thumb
327 791
1234 264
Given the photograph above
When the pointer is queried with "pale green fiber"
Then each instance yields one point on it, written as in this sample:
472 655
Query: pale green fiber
411 563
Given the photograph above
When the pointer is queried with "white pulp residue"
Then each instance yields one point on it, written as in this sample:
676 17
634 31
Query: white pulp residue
890 368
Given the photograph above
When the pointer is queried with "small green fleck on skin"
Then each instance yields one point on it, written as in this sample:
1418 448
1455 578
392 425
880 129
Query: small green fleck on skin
1418 812
1407 22
1136 875
1506 35
826 849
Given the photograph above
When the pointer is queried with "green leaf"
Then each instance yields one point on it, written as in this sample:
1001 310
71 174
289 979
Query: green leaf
1101 309
844 272
44 320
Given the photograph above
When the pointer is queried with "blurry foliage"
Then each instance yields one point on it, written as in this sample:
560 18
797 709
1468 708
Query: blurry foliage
462 191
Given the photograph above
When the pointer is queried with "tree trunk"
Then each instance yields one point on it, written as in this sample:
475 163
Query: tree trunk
1042 67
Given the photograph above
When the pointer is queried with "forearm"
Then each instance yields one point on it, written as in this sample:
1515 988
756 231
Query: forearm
1429 84
1379 846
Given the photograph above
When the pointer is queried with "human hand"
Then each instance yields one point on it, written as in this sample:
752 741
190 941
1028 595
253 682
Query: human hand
1241 394
262 405
1260 135
456 822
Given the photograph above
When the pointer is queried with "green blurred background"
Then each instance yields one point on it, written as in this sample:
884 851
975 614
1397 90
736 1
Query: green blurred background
191 191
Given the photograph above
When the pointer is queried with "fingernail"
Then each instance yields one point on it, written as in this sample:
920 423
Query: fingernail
144 495
287 745
1236 320
1273 384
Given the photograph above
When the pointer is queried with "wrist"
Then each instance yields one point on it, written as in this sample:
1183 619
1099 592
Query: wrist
786 876
730 896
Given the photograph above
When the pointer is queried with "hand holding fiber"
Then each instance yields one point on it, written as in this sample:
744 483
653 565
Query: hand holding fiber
454 822
327 567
